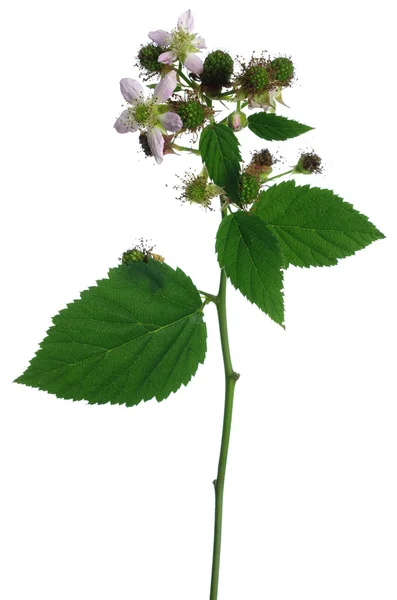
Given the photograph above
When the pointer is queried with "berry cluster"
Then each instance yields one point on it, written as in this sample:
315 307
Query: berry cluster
182 101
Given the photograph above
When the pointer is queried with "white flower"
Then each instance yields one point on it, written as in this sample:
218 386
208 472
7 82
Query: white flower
145 113
182 43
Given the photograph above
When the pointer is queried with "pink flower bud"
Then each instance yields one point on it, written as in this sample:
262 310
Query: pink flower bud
237 121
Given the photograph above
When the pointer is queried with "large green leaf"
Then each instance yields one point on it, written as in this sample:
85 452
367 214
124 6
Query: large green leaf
220 152
272 127
314 226
252 260
136 335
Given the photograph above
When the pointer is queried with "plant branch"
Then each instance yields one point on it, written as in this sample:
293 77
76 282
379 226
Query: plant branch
230 381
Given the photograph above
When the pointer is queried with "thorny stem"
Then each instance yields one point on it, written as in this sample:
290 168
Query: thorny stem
230 381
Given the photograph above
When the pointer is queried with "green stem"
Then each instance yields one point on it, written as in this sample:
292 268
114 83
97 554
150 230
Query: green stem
186 79
209 297
230 382
280 175
185 149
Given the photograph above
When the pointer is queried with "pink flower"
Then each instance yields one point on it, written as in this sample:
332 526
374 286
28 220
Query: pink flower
182 43
145 113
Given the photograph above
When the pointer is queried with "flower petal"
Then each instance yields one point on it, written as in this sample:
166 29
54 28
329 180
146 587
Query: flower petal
160 37
194 63
168 57
165 88
186 21
156 143
170 121
199 42
125 123
131 90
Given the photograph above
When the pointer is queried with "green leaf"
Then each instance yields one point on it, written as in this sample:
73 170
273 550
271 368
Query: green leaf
138 334
220 152
313 226
252 260
272 127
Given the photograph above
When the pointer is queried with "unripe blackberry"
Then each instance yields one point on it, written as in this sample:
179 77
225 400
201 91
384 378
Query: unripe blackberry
148 58
133 255
256 78
192 113
249 188
196 190
140 253
217 70
283 69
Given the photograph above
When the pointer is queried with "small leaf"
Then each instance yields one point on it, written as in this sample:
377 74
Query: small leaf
272 127
136 335
220 152
314 226
252 260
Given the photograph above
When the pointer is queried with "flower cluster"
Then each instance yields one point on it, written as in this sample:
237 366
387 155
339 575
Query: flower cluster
182 103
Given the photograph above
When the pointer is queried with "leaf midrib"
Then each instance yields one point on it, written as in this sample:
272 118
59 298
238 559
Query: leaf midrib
108 351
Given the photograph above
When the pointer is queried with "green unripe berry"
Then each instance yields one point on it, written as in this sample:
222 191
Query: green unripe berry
249 188
217 70
148 58
132 256
256 78
192 113
283 69
196 190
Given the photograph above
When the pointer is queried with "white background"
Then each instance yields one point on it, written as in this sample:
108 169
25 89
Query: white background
108 502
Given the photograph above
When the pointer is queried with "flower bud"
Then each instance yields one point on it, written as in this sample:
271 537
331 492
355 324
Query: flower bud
308 164
217 71
237 120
